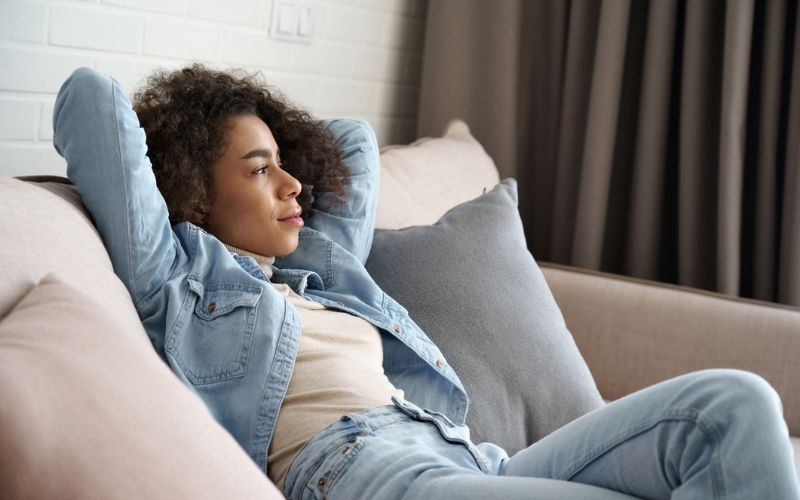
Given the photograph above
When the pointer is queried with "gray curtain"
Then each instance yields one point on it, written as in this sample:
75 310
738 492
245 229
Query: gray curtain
652 138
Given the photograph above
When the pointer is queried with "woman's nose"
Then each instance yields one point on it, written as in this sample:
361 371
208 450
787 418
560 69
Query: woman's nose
290 187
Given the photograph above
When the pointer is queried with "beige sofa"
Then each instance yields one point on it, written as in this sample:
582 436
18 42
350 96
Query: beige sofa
634 333
88 410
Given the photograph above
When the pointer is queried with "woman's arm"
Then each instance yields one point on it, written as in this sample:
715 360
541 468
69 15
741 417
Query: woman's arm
350 221
98 133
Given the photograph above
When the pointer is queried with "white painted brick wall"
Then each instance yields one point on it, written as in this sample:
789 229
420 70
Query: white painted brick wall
166 6
23 21
364 60
85 27
19 119
244 12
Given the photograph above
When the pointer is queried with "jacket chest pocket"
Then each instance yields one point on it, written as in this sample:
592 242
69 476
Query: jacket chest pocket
212 341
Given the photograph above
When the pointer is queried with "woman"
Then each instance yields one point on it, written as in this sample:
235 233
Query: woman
243 250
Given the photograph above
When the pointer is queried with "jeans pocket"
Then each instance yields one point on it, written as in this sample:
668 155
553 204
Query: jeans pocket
332 467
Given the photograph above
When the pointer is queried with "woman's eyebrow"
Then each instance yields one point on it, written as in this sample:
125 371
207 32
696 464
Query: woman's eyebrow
263 153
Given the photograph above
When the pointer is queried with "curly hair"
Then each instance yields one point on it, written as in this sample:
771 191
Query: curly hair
186 115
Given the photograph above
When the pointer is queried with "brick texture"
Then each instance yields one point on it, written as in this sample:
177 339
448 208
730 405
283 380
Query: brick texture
363 61
91 29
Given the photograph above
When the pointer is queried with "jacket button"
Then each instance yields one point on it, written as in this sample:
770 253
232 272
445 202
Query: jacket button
397 328
321 482
212 307
440 364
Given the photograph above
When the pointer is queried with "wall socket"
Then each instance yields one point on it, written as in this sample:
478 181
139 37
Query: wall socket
292 20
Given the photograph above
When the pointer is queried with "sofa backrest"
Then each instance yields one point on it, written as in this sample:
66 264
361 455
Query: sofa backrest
89 410
44 229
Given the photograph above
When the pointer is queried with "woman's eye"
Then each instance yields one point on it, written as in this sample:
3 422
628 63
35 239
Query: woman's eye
262 170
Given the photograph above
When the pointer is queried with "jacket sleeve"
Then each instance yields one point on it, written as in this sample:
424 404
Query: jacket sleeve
350 221
97 132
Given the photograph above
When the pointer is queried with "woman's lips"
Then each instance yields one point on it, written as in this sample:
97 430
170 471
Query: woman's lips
293 219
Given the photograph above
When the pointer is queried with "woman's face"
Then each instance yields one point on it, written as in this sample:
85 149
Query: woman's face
255 207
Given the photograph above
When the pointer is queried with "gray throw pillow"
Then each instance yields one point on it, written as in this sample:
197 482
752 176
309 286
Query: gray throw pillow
472 285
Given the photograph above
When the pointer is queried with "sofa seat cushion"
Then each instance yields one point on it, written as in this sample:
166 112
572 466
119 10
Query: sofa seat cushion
90 411
471 284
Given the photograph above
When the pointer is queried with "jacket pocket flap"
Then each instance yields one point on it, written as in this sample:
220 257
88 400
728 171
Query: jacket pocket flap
218 299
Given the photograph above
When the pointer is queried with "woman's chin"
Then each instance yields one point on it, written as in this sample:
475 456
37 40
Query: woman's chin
286 250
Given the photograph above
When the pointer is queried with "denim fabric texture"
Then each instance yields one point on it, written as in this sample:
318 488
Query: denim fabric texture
226 333
710 434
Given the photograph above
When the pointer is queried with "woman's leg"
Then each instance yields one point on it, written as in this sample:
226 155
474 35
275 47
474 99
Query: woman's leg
708 434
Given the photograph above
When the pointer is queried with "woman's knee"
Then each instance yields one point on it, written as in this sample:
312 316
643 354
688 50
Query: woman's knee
739 391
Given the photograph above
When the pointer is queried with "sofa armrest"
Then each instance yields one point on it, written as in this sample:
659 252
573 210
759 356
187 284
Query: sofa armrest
634 333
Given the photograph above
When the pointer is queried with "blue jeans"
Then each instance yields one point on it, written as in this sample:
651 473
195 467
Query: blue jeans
708 434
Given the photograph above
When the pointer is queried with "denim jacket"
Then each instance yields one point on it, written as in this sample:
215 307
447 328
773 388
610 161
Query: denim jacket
214 317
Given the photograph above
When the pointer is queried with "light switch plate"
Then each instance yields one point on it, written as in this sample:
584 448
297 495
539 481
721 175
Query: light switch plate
304 21
287 20
292 20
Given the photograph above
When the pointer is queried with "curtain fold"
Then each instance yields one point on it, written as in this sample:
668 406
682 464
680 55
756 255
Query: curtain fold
484 44
656 138
768 86
572 125
736 60
650 145
601 124
789 268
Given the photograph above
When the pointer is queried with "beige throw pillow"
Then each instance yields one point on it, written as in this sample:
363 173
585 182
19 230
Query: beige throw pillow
89 411
422 181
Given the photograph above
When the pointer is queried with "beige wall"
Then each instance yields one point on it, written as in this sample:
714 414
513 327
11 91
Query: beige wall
364 59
